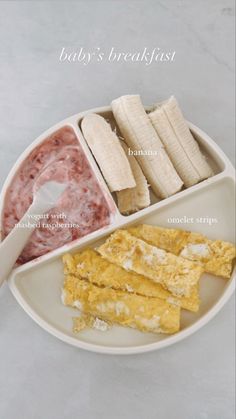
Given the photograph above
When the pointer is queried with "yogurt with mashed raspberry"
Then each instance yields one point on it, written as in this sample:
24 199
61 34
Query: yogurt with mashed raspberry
81 209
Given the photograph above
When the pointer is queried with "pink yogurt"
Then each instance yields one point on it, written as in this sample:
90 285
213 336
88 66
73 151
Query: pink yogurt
81 209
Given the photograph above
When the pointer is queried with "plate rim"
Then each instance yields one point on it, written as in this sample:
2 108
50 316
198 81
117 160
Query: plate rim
116 350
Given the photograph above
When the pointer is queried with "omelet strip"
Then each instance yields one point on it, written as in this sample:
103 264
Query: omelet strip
215 256
143 313
174 273
90 265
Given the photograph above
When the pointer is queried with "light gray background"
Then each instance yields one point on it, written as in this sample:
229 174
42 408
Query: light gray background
41 377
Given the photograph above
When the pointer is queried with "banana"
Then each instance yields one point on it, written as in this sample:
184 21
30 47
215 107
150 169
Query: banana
108 152
139 134
183 150
133 199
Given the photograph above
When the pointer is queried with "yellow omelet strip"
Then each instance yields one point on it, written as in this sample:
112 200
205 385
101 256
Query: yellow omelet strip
90 265
215 256
146 314
174 273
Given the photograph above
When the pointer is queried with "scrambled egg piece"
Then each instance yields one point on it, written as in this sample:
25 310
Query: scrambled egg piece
174 273
90 265
215 256
85 320
144 313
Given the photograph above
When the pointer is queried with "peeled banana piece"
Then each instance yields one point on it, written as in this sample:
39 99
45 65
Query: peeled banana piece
141 137
183 150
134 199
106 148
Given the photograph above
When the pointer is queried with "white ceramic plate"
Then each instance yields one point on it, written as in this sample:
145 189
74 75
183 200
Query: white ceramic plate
37 284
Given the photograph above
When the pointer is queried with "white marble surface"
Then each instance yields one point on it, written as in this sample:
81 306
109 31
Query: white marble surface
41 377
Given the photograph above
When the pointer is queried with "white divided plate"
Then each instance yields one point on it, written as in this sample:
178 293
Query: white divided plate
37 285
